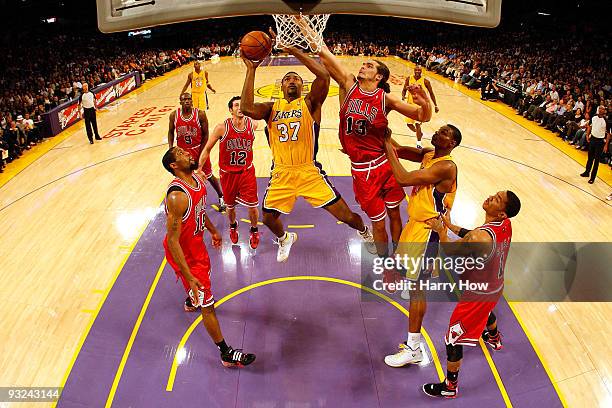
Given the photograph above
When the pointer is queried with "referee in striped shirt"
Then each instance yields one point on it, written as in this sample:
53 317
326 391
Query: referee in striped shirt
87 105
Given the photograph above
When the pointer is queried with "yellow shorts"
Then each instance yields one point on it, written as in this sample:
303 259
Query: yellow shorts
287 183
199 100
420 245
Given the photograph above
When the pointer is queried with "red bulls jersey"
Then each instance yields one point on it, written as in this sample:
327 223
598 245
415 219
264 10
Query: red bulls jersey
236 147
188 130
363 122
192 227
495 262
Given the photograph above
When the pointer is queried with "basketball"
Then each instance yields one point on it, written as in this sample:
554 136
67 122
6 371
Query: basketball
256 45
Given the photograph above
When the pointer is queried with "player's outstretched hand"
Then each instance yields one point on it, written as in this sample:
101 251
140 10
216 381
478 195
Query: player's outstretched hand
216 240
249 64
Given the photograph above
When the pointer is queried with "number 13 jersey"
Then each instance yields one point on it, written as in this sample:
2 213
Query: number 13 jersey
292 133
363 123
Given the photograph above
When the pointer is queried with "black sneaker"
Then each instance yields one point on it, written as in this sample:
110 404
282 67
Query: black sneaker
585 174
493 341
235 357
440 390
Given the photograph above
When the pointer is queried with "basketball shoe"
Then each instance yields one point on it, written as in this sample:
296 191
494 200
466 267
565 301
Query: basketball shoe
368 240
236 358
404 356
234 234
284 246
493 341
441 390
254 240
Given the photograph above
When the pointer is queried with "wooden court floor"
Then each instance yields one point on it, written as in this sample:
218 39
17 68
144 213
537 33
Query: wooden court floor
72 216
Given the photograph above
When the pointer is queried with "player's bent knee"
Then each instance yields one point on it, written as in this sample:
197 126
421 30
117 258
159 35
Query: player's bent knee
454 353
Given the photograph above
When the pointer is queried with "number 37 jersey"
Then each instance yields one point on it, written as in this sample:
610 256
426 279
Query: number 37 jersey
363 123
292 133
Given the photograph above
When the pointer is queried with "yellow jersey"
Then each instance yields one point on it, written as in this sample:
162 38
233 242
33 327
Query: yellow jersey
292 133
413 81
425 201
198 82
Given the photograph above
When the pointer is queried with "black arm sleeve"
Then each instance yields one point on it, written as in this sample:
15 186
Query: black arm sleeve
463 232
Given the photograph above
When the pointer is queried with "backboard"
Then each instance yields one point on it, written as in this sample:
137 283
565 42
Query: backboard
122 15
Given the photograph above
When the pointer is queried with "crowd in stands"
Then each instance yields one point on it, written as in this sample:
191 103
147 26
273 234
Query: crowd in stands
557 78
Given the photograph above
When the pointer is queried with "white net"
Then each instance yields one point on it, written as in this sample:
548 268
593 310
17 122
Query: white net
303 31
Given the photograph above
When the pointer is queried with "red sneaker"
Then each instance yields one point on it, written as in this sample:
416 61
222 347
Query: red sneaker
254 239
234 235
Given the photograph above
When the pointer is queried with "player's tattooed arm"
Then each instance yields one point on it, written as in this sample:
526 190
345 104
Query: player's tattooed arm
171 130
177 203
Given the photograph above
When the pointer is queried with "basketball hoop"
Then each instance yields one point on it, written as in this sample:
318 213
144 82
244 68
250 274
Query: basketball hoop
305 32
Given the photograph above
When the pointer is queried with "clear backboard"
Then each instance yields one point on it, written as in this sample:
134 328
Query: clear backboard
122 15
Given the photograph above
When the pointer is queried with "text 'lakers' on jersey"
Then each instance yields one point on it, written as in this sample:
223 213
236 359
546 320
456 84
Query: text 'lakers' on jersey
198 82
425 201
292 133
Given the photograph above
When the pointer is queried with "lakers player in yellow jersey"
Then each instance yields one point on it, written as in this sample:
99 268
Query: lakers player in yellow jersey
433 193
198 79
417 79
292 131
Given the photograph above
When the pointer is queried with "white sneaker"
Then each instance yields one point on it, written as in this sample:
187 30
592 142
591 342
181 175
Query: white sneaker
368 240
609 198
405 294
404 356
284 246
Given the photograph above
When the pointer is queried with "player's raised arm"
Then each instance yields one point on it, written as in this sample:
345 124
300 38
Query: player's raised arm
171 130
212 140
320 86
433 175
248 106
421 112
187 83
337 71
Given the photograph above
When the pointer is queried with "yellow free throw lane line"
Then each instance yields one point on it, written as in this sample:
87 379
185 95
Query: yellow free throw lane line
535 348
498 379
300 226
173 369
130 343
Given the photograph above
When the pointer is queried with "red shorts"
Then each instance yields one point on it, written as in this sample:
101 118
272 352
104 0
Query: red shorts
375 188
239 188
195 153
199 269
467 322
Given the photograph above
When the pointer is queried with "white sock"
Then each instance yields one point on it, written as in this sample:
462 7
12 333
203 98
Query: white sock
414 339
418 143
